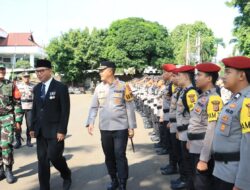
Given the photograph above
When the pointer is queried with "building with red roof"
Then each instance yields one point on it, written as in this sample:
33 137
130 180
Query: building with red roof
18 46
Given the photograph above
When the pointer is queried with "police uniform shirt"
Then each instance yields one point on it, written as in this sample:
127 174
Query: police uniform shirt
182 118
202 122
26 91
116 107
231 137
172 111
166 102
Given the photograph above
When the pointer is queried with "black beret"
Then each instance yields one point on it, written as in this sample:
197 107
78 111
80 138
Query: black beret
43 63
106 64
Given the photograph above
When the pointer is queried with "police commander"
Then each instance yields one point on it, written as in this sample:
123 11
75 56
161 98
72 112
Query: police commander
116 122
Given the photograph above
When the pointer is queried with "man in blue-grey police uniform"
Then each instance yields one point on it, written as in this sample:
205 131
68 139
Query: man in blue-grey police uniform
114 100
231 145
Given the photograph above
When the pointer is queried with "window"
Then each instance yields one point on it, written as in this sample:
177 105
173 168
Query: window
6 60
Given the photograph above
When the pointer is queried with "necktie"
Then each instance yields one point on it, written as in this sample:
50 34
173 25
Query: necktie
43 92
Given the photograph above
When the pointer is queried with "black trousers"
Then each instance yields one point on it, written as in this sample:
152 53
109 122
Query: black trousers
186 164
28 115
222 185
166 142
114 144
50 150
202 180
174 151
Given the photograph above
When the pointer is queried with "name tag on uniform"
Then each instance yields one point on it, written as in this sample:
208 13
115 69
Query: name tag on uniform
52 95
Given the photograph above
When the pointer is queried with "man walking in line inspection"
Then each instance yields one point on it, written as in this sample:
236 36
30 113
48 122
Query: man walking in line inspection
117 122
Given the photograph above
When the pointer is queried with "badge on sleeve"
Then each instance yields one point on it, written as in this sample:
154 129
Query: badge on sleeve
191 99
245 116
214 107
128 96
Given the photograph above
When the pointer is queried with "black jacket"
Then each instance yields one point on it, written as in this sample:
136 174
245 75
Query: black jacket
50 116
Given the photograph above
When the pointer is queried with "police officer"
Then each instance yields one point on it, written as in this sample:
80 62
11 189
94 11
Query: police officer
174 155
10 119
231 145
117 121
26 90
202 124
167 73
185 104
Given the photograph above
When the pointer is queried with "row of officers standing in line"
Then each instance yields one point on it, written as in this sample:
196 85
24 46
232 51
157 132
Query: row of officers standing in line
207 139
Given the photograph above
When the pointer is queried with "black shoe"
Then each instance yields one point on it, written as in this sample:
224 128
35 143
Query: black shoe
18 144
175 181
123 184
2 175
10 178
157 145
169 171
180 185
165 167
29 144
162 152
114 184
155 138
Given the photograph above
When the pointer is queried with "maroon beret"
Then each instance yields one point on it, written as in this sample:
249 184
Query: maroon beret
207 67
237 62
168 67
186 68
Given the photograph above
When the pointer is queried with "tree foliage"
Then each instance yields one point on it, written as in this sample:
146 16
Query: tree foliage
23 64
179 41
242 25
135 42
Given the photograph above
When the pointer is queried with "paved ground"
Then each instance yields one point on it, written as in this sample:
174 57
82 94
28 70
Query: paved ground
85 158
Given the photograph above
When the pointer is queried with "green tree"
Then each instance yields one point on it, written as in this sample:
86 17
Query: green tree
24 64
69 54
135 42
179 41
242 25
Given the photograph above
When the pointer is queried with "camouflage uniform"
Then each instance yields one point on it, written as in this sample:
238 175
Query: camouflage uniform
10 112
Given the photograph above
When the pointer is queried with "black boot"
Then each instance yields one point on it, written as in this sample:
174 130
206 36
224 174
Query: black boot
9 175
18 141
28 143
114 184
123 184
2 175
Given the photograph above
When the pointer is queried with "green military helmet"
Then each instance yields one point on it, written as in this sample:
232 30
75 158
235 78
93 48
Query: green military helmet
2 65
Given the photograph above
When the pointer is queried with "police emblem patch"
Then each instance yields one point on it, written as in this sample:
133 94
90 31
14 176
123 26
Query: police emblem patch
216 105
232 105
222 127
192 97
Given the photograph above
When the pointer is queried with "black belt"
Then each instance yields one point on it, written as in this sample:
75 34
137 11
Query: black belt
182 128
165 110
26 100
172 120
227 157
159 107
197 136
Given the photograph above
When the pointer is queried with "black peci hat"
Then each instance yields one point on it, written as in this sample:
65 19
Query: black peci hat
43 63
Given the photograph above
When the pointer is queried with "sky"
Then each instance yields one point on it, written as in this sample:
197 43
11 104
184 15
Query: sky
49 18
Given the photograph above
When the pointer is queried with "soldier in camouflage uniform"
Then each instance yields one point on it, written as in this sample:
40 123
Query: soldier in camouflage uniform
26 90
10 118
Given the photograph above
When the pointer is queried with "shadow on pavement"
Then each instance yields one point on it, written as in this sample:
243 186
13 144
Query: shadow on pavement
144 175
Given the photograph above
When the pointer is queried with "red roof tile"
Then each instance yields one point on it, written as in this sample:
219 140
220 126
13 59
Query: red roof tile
18 39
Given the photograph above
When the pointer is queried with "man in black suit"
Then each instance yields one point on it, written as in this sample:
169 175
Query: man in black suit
50 115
